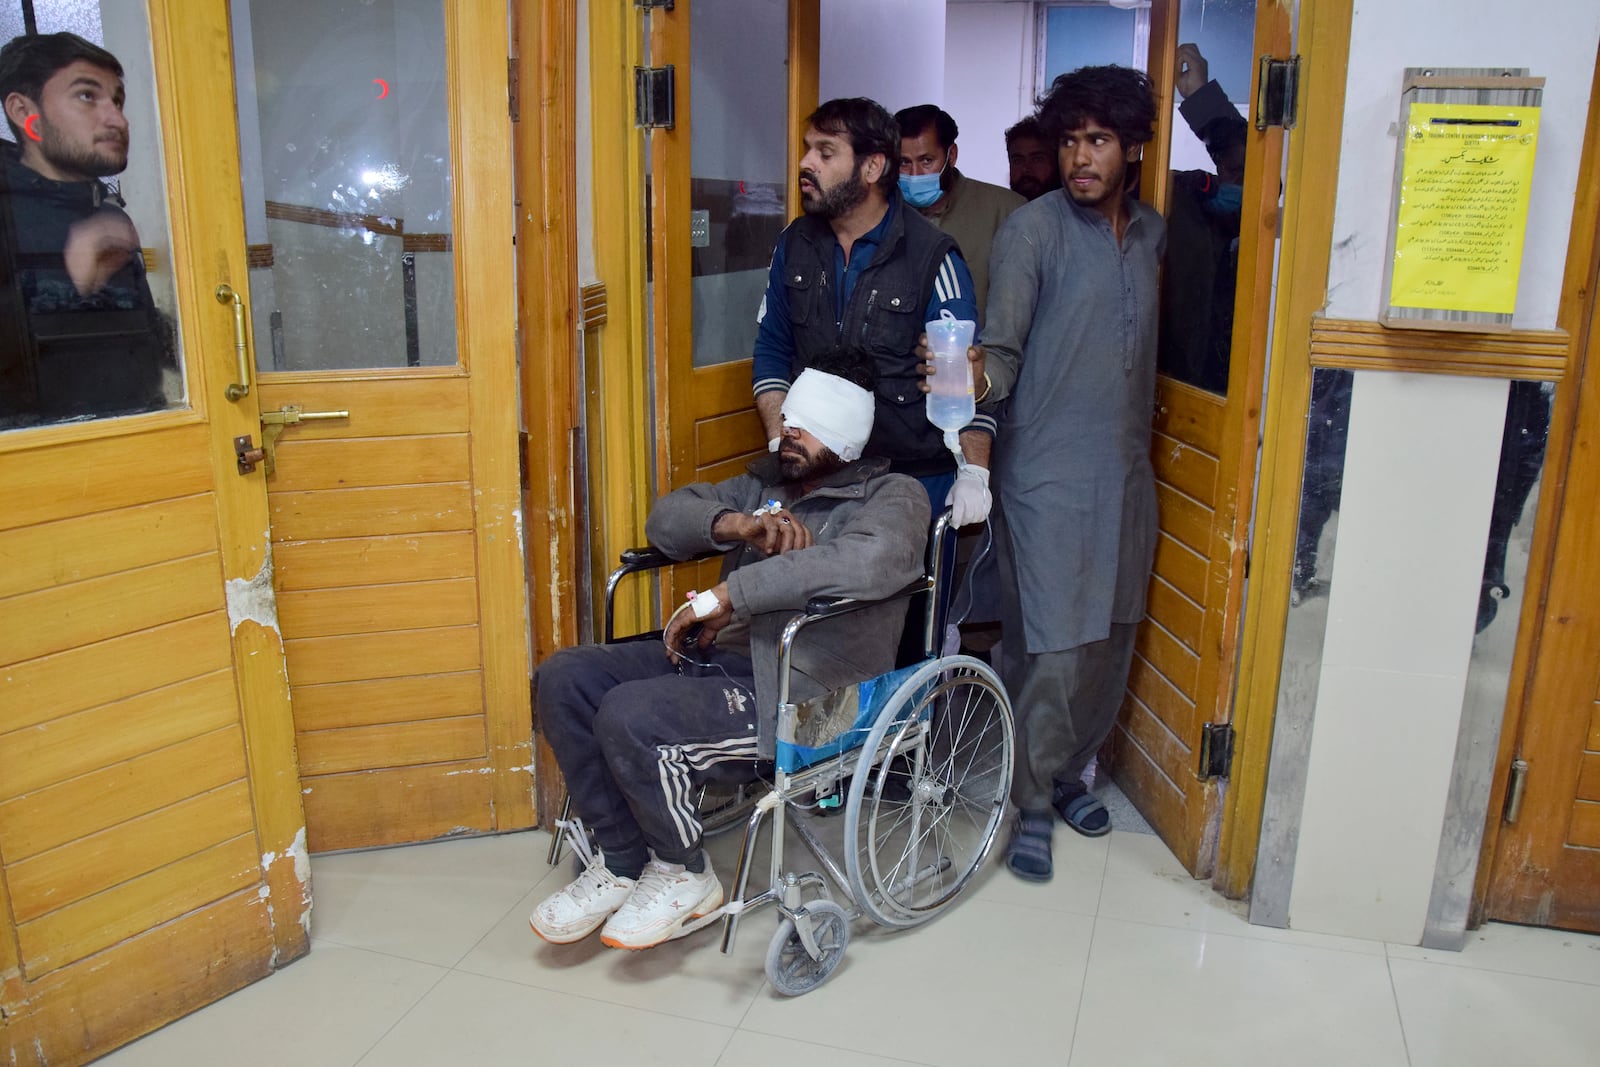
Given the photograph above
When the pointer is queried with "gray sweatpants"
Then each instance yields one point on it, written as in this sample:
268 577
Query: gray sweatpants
1065 704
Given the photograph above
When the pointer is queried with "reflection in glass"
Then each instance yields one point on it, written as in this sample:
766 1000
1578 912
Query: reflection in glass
87 326
740 162
345 153
1209 133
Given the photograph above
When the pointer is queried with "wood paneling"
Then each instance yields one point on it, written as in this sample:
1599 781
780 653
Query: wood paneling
1167 655
77 1013
1176 613
380 511
721 437
378 407
1162 697
42 689
1593 743
1185 468
1155 738
364 609
71 550
369 808
1589 777
48 818
349 658
1190 414
66 747
328 564
1536 355
367 461
94 864
1182 567
103 474
728 468
69 616
1585 829
1185 518
387 700
68 934
405 744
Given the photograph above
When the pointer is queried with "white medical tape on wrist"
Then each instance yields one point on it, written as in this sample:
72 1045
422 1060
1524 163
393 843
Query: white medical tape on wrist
834 411
704 604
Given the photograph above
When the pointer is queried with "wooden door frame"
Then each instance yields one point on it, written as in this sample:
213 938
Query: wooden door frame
1579 316
544 112
1304 257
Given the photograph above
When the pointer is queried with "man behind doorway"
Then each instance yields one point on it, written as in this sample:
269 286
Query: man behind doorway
965 208
858 272
1034 167
1071 359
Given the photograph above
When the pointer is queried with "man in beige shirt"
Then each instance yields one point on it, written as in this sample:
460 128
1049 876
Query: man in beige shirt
965 208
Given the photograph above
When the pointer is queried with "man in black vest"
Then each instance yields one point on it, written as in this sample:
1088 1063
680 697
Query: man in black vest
859 271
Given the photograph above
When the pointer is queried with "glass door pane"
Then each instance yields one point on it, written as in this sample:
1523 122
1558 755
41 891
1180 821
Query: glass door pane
345 149
738 173
88 320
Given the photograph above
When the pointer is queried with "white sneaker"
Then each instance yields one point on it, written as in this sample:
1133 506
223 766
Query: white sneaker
578 910
666 897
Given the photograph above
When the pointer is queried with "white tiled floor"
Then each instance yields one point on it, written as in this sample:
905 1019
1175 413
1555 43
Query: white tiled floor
422 955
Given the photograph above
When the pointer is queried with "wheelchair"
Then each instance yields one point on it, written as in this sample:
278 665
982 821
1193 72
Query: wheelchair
918 759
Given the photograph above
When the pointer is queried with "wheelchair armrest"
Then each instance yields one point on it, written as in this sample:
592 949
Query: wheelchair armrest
821 607
645 558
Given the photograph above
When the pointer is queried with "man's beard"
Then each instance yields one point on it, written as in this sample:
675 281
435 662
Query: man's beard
1033 188
101 160
1111 187
797 467
832 203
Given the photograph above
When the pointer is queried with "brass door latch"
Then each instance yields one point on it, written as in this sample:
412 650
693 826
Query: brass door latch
272 425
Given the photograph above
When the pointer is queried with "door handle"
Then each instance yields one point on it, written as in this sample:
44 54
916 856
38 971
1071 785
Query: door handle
274 422
240 389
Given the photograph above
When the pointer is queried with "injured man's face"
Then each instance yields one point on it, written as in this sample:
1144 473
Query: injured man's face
803 458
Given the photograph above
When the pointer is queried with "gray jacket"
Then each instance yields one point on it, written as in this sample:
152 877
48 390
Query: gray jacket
870 530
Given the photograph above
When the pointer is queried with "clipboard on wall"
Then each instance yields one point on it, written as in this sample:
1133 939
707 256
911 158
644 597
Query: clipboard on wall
1463 176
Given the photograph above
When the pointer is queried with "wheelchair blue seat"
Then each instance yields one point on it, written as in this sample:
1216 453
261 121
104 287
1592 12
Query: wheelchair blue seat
846 715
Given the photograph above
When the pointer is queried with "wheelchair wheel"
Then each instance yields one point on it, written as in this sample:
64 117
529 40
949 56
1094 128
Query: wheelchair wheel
724 808
929 791
790 968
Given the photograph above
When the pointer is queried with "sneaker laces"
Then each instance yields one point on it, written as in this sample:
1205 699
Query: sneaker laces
596 877
658 880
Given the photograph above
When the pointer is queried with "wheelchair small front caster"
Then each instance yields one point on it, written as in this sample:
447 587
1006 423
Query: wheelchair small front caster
790 966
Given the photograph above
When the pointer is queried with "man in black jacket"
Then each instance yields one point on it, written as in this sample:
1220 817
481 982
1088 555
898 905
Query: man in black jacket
93 343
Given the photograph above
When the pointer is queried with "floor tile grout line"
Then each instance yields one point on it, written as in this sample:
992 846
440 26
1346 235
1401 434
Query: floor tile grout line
1211 932
446 972
1394 991
1083 991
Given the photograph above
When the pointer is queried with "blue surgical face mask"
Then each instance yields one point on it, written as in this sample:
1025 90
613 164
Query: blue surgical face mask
1229 199
920 190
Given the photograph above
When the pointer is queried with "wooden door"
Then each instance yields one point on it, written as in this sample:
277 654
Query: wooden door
377 142
729 161
151 830
1206 429
1546 861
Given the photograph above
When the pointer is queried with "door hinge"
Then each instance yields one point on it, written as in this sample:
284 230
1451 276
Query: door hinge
1277 92
513 89
1515 789
1216 750
654 97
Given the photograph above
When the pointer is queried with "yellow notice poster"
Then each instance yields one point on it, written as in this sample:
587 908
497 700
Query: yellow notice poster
1463 207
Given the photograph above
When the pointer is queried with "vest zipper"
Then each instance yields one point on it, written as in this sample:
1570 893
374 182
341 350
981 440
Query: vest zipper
866 320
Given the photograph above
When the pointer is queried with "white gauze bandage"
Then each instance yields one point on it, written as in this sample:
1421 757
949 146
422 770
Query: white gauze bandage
836 412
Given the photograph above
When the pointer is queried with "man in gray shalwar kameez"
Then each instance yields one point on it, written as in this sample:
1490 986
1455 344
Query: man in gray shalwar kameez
1071 364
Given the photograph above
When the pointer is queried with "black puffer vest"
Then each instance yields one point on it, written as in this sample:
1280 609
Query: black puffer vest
882 317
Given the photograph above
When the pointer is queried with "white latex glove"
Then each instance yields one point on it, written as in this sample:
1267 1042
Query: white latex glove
969 497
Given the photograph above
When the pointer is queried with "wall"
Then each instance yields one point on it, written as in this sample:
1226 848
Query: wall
889 50
988 80
1418 482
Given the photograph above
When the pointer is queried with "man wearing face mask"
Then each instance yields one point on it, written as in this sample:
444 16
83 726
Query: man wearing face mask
965 208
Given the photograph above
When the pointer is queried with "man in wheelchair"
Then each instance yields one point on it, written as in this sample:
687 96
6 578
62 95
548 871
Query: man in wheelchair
638 728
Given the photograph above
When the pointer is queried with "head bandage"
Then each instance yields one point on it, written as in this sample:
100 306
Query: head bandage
834 411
